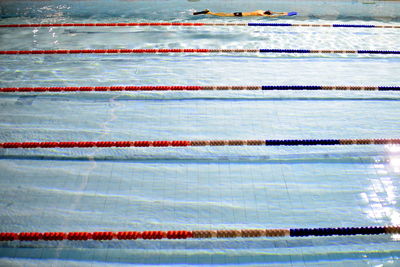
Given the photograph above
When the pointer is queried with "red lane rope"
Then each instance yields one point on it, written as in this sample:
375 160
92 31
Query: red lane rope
183 143
193 24
244 233
197 88
52 236
164 51
102 88
95 144
103 51
100 24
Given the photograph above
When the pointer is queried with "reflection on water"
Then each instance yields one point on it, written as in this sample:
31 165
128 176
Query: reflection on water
381 195
394 162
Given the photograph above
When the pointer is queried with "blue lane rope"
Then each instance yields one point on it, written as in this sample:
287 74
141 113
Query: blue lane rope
352 26
312 25
321 25
306 51
320 87
270 24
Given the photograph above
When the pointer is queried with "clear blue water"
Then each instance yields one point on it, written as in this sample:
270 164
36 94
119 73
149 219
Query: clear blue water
207 187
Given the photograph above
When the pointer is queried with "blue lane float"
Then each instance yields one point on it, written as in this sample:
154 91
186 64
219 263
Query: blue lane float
328 88
377 230
303 51
292 87
306 51
319 25
270 24
377 52
307 142
352 26
388 88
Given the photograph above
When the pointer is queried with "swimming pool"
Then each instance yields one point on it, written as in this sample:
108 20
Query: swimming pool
202 187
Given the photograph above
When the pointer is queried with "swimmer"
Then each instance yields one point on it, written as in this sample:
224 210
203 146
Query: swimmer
260 13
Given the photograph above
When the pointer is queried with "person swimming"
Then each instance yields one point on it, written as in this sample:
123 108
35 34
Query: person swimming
261 13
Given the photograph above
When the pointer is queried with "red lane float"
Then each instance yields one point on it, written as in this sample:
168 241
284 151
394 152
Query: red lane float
83 236
95 144
106 51
111 88
100 24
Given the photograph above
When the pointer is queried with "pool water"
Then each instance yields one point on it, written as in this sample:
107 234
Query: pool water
191 188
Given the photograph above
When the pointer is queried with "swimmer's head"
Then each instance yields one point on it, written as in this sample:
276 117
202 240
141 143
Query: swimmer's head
267 12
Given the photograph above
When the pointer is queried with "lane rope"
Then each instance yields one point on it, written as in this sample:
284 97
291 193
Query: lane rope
158 24
199 88
284 142
199 234
165 51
